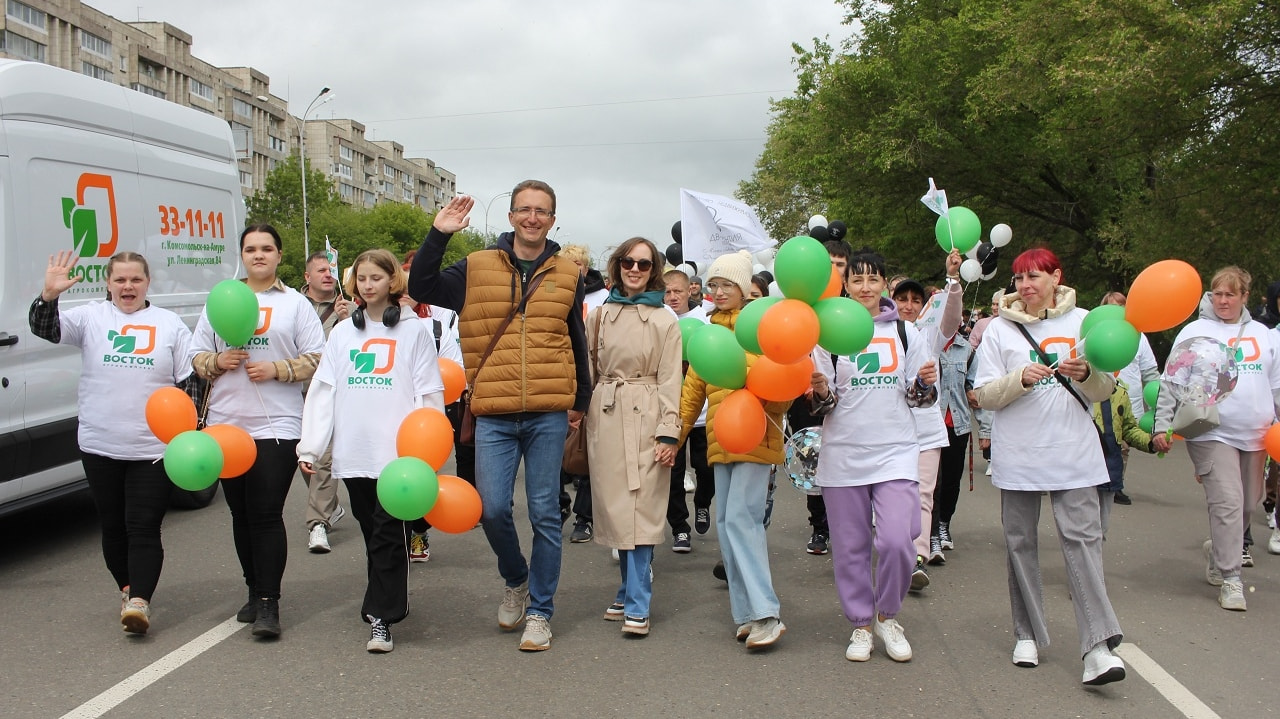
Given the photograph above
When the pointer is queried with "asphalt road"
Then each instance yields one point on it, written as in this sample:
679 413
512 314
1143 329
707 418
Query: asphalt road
63 647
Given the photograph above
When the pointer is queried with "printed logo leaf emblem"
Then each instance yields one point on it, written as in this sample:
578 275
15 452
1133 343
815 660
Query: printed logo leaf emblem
1239 354
365 361
1035 357
124 344
84 227
869 362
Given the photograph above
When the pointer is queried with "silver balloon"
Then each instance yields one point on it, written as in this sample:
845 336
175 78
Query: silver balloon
1201 371
801 463
817 221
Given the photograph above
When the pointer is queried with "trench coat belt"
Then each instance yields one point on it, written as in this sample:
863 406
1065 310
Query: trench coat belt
607 386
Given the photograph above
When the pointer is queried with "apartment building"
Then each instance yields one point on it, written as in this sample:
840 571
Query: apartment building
155 58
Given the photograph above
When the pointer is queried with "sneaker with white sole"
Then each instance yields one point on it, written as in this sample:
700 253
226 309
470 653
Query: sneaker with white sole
1246 559
895 641
615 613
919 577
338 514
936 557
682 545
1102 667
124 600
988 472
318 540
1025 653
859 649
515 600
537 634
136 616
742 632
1273 544
636 626
379 636
419 547
1212 574
1231 595
944 535
764 632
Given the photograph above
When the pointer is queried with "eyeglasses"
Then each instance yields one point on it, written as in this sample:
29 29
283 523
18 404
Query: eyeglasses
714 287
628 263
537 212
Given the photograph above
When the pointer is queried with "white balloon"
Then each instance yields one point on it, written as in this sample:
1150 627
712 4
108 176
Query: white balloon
757 268
775 290
973 252
1001 234
989 276
817 221
970 270
686 268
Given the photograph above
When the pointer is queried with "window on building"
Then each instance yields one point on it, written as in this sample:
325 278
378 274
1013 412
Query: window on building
277 144
148 90
200 89
407 195
345 152
124 64
94 44
148 70
23 46
241 108
388 170
26 15
344 170
92 70
246 179
347 191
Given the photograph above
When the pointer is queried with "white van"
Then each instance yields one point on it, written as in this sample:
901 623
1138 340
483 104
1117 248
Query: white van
98 168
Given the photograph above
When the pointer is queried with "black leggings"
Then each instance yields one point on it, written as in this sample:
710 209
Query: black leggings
256 499
131 497
946 495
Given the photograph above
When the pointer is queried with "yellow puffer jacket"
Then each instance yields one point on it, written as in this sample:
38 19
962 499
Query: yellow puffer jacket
696 390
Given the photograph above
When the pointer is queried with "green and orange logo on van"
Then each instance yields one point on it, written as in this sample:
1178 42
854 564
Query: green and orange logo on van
82 218
375 358
131 345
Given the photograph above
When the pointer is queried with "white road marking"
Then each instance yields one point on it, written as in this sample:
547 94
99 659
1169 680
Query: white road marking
143 678
1179 696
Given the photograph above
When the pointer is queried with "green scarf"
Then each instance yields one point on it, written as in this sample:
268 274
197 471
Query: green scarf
653 298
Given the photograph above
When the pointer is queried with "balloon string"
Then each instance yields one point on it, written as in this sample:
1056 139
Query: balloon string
951 234
1074 345
265 412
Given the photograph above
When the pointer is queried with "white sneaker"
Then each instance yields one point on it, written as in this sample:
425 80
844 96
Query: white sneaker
615 556
1273 544
859 646
515 600
338 513
537 634
1102 667
1025 653
136 616
1212 574
764 632
1271 520
988 472
318 540
895 642
1231 596
380 641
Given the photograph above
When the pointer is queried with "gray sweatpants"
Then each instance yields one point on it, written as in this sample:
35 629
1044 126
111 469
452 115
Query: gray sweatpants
1233 486
1076 514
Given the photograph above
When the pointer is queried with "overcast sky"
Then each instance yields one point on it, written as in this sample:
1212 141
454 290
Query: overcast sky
616 104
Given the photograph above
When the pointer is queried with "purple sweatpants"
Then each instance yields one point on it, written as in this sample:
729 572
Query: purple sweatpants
897 512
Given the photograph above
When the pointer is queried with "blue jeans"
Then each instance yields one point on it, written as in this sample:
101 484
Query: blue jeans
500 444
741 490
636 591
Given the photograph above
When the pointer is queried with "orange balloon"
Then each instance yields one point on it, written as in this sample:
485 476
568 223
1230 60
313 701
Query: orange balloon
1163 296
426 434
788 331
1271 440
779 382
239 451
834 284
740 422
455 380
457 507
170 412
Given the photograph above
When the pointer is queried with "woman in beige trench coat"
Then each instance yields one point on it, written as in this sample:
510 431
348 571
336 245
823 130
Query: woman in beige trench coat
633 425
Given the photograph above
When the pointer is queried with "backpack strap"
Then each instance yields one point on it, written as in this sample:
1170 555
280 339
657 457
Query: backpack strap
902 334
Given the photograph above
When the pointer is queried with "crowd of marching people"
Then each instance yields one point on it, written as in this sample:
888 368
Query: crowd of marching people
552 346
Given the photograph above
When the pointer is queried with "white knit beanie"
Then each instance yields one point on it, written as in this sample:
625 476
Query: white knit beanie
735 267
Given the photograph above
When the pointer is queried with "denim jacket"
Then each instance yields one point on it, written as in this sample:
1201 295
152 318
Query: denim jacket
956 374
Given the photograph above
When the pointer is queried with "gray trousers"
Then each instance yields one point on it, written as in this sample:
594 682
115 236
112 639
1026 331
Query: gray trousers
1076 513
322 491
1233 486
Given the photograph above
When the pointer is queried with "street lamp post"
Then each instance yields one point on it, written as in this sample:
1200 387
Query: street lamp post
485 205
302 161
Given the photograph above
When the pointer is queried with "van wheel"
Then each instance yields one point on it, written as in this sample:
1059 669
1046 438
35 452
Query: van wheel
186 499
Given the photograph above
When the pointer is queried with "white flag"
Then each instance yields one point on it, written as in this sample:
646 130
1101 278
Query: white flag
935 199
714 225
332 255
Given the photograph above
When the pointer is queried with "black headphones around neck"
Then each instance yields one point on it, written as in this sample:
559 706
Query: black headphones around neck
390 316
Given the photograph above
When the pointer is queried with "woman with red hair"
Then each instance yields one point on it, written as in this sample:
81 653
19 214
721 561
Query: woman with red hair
1044 434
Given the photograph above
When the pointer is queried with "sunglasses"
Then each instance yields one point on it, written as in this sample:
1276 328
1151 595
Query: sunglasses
628 263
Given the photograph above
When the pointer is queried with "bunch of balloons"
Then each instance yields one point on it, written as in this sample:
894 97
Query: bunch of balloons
821 231
1162 296
195 459
409 488
784 329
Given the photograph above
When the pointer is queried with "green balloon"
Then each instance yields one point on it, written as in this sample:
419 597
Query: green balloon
844 326
714 353
1147 422
960 229
802 268
688 326
193 460
749 323
1099 314
1111 345
407 488
1151 393
233 312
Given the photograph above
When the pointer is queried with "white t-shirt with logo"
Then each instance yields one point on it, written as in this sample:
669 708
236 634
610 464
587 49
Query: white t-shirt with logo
288 327
450 343
1250 408
125 357
1044 440
374 378
870 436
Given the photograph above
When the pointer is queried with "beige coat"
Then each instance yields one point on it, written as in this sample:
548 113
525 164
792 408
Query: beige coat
637 375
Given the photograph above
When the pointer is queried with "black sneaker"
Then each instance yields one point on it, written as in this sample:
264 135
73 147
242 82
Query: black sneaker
379 636
701 520
919 577
935 551
718 571
817 544
581 533
248 614
1122 498
1246 559
267 624
682 544
944 535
